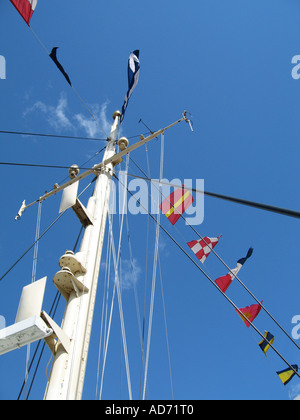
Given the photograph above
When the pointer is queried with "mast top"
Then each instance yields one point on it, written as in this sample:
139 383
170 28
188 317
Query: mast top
116 114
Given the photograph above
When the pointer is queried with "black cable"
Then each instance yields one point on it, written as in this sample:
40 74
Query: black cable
50 135
260 206
39 165
56 136
36 165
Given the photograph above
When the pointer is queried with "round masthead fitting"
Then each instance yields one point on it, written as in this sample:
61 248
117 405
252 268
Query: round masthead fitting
116 114
73 171
123 143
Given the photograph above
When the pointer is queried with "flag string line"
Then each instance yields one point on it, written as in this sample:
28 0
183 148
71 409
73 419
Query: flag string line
269 360
214 252
208 277
180 234
217 255
174 227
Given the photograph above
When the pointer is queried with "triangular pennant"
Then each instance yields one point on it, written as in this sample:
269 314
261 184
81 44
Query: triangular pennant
203 247
59 66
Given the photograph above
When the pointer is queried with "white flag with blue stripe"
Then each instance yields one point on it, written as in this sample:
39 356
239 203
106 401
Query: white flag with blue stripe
133 78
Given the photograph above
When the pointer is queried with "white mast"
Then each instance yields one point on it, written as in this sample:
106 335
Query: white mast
68 369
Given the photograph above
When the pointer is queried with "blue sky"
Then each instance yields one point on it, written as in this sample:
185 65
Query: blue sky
229 64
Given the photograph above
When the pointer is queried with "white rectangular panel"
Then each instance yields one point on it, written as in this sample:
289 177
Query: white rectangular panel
31 300
69 197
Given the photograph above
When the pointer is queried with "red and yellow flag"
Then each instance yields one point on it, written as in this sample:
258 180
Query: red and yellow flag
176 204
250 313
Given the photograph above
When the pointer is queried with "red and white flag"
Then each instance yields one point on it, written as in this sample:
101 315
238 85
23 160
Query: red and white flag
203 247
25 8
225 281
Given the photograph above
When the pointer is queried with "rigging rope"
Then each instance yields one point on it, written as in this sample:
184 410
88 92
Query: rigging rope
153 277
137 308
134 280
116 262
116 258
117 287
145 286
151 309
161 282
33 279
107 327
55 136
31 246
36 246
40 237
104 307
217 255
166 327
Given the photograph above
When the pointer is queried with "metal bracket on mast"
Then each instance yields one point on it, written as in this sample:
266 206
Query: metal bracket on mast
57 337
82 213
